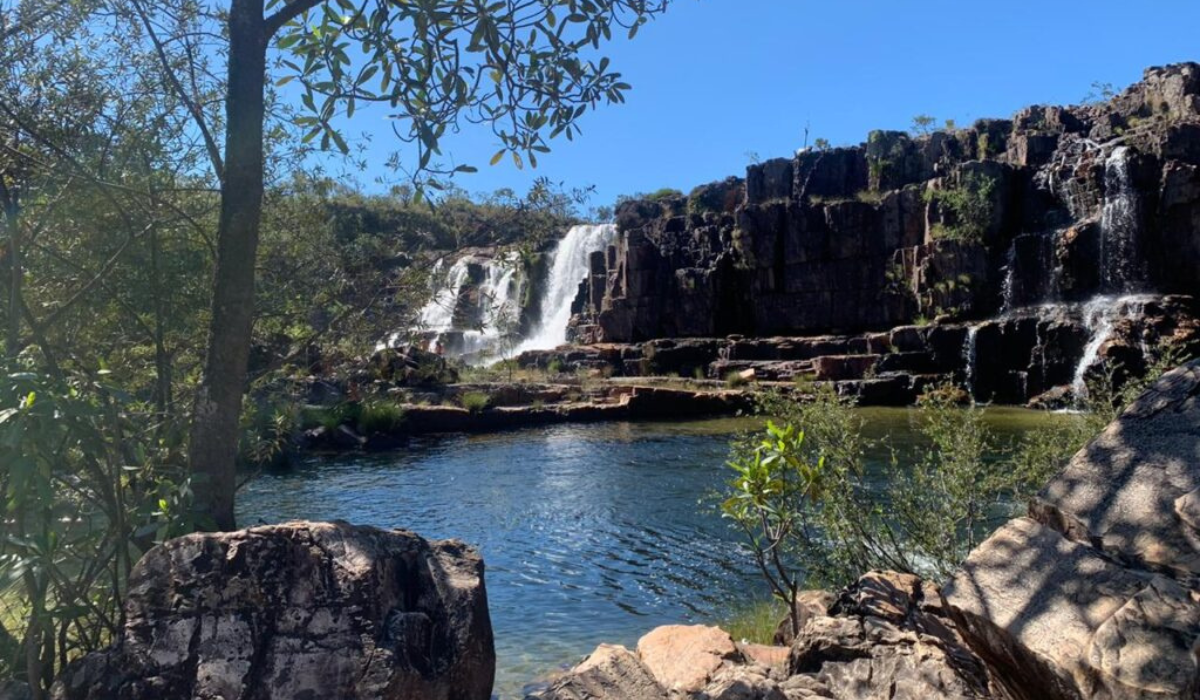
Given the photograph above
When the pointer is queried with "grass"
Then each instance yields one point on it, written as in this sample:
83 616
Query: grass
380 417
735 380
475 401
754 622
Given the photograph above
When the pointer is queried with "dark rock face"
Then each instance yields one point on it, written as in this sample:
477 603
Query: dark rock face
304 610
846 240
1093 595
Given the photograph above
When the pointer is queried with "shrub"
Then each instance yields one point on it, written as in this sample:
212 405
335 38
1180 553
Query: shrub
555 366
380 416
664 194
475 401
734 380
755 623
969 206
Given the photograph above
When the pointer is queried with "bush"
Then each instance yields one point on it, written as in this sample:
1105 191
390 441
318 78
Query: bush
475 401
958 487
969 207
735 380
90 483
380 417
555 366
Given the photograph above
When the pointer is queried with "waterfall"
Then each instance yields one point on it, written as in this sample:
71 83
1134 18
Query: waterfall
493 312
1010 279
569 268
969 356
438 313
1100 316
1120 224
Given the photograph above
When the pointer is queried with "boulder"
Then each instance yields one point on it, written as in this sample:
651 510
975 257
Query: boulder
302 610
1094 594
684 658
610 673
809 604
888 637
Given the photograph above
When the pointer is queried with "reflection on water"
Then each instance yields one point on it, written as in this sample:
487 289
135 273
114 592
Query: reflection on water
590 533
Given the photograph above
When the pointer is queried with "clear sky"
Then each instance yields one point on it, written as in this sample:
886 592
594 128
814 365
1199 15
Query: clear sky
715 81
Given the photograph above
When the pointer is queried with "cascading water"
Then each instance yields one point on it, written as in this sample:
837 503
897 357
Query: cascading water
495 309
1120 225
569 268
1100 316
969 356
1010 280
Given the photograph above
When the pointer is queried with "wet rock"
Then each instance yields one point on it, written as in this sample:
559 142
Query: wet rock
298 610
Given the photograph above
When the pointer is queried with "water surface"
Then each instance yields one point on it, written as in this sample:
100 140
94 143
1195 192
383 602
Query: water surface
590 533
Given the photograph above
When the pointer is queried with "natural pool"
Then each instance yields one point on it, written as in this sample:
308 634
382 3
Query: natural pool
591 533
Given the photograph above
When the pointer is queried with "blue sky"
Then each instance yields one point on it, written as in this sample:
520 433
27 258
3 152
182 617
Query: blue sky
717 80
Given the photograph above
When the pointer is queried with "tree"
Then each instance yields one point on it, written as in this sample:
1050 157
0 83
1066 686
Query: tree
521 66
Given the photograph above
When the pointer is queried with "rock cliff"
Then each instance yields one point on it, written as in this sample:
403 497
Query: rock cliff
1060 220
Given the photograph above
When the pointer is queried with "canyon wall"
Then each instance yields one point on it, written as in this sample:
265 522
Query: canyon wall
1067 220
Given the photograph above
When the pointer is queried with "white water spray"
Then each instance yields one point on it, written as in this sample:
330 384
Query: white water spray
1120 224
969 355
1100 316
570 267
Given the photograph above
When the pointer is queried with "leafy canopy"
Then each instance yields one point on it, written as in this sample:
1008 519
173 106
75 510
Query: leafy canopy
526 68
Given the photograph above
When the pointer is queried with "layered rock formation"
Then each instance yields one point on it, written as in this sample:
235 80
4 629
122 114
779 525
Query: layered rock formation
304 610
1057 206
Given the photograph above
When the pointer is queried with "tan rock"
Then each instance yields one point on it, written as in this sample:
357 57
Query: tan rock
1131 489
609 673
684 658
769 656
809 604
1066 622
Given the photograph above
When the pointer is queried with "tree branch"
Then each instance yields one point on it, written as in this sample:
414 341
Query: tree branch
288 13
210 144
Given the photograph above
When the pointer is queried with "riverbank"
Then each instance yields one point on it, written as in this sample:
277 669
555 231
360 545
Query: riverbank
1090 594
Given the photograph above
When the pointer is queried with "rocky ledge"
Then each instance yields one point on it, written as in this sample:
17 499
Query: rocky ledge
303 610
1093 595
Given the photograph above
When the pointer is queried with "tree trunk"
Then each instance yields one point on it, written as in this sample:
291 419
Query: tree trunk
12 223
212 451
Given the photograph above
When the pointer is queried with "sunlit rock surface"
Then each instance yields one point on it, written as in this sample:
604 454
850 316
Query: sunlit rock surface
303 610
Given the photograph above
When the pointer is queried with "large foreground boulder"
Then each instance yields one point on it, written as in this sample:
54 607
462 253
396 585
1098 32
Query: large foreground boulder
298 611
1095 595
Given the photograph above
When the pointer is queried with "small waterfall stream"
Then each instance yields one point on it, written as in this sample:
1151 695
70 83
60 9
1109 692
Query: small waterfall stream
570 267
1100 316
970 355
492 314
475 315
1120 225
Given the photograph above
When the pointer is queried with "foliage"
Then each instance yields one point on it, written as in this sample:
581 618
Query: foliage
754 623
660 195
939 498
380 416
734 379
775 489
90 481
923 125
475 401
969 206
